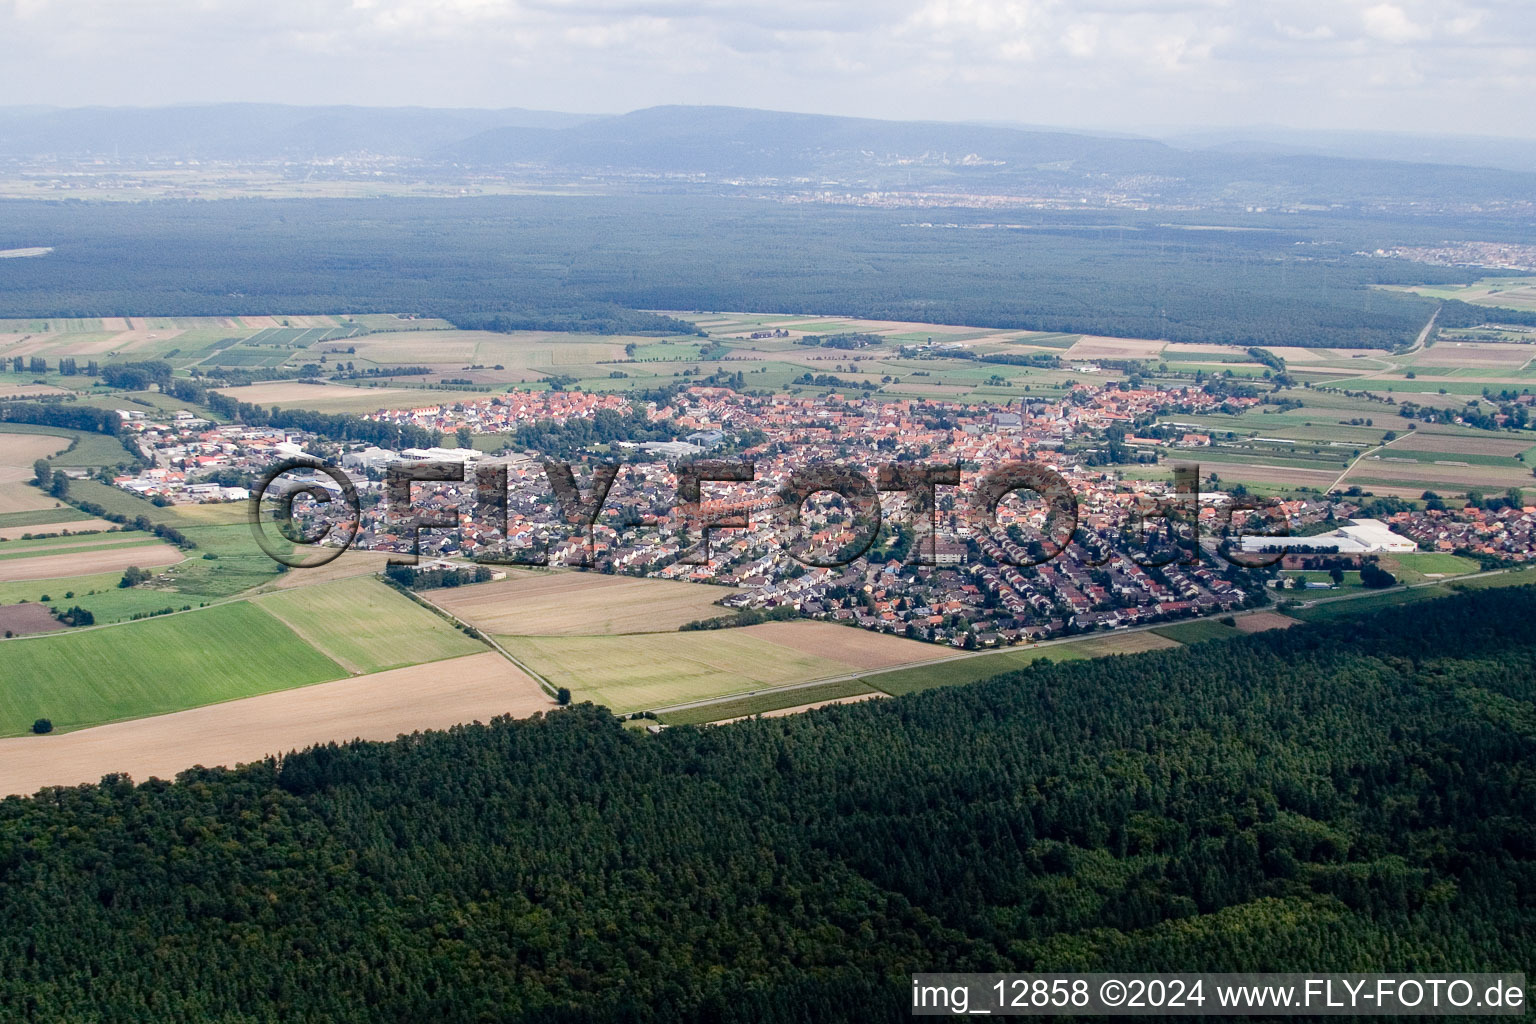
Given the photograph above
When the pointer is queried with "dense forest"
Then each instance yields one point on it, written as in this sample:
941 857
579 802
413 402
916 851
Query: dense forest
588 263
1355 797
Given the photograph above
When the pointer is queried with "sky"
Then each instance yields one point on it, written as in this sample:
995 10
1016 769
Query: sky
1430 66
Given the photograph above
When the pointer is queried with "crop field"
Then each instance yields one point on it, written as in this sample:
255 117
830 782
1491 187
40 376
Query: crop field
640 671
1198 631
1509 292
364 626
46 565
341 398
531 603
154 666
18 450
1260 622
26 619
380 706
771 705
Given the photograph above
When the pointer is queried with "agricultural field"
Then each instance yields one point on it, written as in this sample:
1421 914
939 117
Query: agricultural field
652 670
365 626
154 666
344 398
1508 292
380 706
18 451
570 603
61 558
772 705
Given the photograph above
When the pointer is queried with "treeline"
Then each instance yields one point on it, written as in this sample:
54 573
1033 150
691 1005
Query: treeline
591 318
61 414
415 578
850 340
742 617
334 426
556 437
1338 797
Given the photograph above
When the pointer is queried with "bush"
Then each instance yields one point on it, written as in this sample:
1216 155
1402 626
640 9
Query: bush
563 696
41 726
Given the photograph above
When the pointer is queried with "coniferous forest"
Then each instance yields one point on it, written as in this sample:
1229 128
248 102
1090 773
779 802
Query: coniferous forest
1357 796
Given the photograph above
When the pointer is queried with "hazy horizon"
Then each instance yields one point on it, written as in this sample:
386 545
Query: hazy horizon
1458 68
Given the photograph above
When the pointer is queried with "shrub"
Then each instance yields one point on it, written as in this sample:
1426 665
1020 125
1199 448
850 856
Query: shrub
41 726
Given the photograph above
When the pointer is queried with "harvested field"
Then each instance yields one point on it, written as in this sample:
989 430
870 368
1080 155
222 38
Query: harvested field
69 526
1091 347
1121 643
1467 353
29 390
24 619
81 563
649 670
860 648
581 603
1260 622
340 398
17 453
373 707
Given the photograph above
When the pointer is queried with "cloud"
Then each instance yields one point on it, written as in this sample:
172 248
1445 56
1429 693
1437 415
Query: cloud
1391 23
1421 64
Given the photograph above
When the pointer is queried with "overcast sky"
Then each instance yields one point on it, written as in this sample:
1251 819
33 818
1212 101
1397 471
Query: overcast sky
1444 66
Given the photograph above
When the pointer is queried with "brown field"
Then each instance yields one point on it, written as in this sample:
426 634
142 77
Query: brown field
1260 622
84 563
129 341
1091 347
24 619
581 604
259 323
340 398
373 707
73 527
17 453
29 390
1469 353
1255 473
860 648
1421 441
781 712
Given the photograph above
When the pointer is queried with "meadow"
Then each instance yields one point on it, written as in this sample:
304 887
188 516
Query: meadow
365 626
154 666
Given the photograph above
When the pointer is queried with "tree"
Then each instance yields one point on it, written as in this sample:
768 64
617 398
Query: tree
1337 575
42 726
563 696
42 473
132 577
464 437
59 488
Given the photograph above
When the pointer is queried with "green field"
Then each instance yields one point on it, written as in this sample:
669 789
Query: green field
153 667
1198 631
367 627
767 702
42 517
967 670
1417 567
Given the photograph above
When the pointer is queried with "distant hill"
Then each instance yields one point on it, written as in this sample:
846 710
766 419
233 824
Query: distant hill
786 149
